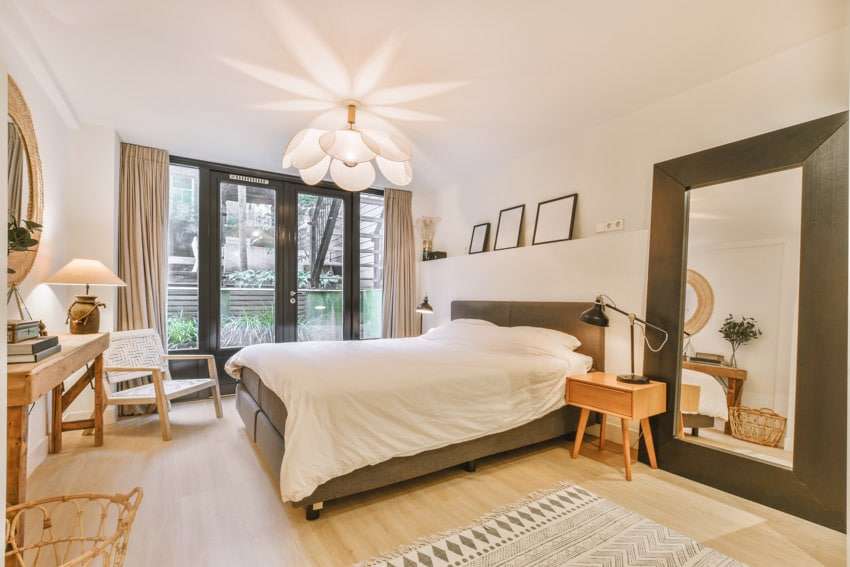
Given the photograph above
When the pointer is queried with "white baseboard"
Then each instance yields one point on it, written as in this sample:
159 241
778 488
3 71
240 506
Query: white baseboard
37 454
108 415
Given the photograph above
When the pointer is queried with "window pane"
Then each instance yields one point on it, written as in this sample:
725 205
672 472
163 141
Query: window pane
247 265
182 301
320 267
371 265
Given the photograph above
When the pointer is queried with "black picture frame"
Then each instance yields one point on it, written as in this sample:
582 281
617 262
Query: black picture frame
555 219
480 238
509 228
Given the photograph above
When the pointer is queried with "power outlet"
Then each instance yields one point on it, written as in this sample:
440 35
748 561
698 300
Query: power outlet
616 224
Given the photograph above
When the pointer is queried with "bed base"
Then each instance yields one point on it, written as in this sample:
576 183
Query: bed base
264 414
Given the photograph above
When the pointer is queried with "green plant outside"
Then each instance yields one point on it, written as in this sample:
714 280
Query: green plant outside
322 319
182 332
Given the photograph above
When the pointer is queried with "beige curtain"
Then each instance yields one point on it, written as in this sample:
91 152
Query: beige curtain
16 172
399 265
142 237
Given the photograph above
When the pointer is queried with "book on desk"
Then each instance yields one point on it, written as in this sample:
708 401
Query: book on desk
32 350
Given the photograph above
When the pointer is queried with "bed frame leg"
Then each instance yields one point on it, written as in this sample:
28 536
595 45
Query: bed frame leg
470 466
312 511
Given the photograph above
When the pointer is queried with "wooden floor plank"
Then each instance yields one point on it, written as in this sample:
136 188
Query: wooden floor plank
209 500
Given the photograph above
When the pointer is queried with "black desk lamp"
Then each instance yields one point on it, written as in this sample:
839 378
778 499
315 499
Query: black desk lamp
596 316
423 308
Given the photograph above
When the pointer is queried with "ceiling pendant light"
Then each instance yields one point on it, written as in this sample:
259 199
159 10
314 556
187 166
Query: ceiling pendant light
348 154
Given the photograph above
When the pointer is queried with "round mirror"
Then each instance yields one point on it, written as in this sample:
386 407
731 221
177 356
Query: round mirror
26 185
699 302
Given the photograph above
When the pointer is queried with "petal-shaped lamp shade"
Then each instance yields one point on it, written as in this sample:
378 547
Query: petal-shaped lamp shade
346 146
304 150
352 178
313 175
386 145
398 172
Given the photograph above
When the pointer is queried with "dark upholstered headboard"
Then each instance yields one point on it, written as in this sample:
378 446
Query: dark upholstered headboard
558 315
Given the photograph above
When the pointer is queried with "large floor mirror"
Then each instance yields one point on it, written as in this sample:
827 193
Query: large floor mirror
790 276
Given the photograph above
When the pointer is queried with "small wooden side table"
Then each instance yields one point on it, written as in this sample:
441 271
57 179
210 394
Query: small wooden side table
603 393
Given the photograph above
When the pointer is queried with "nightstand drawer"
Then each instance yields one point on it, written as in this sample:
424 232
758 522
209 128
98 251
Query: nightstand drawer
617 402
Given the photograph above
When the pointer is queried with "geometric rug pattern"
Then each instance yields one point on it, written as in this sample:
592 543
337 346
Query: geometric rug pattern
564 526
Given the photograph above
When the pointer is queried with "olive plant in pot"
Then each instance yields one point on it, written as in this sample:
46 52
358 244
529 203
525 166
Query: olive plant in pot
738 332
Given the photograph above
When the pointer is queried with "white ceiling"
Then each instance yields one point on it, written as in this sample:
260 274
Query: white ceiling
469 83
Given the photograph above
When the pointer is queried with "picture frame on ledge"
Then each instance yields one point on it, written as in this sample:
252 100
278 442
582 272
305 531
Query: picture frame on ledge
555 220
480 238
509 227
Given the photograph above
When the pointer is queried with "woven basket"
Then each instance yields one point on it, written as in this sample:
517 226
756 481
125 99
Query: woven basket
763 426
80 529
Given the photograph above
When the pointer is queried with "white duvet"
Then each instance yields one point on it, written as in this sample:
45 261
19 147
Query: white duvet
357 403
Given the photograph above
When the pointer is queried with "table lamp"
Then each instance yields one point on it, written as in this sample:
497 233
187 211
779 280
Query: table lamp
596 316
423 308
83 314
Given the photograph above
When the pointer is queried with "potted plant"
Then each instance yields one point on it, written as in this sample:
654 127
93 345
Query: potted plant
738 332
21 236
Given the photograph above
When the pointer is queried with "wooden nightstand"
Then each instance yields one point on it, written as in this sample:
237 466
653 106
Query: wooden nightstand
603 393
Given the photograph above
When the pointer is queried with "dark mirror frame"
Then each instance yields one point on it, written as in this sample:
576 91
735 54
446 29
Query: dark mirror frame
815 488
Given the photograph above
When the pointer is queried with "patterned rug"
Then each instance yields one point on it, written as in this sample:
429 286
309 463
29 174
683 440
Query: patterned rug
564 526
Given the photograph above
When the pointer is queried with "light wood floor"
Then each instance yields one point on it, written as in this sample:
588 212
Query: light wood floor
209 500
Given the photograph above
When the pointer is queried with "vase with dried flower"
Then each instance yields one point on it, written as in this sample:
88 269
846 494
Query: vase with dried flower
738 332
427 227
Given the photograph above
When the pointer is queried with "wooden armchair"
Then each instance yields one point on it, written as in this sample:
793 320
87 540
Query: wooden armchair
138 354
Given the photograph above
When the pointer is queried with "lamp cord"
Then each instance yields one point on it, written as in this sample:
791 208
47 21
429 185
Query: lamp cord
642 328
649 345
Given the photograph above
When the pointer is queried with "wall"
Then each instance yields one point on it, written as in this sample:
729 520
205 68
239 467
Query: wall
80 208
610 167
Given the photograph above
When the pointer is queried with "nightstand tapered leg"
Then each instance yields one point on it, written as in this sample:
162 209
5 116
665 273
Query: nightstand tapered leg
647 438
602 432
582 423
627 457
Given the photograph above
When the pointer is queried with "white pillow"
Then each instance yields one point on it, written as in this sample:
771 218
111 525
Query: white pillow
550 338
473 322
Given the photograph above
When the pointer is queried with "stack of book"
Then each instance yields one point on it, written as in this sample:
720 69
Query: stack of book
33 349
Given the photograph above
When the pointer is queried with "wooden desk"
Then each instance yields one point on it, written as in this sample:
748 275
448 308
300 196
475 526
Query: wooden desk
603 393
734 382
27 382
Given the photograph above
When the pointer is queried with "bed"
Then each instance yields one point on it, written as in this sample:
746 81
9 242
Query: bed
710 401
259 403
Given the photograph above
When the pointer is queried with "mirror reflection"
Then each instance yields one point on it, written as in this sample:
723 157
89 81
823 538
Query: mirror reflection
744 242
26 185
18 169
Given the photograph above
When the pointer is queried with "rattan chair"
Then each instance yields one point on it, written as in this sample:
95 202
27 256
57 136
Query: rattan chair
138 354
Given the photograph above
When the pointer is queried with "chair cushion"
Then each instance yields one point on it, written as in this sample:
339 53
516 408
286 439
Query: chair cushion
147 393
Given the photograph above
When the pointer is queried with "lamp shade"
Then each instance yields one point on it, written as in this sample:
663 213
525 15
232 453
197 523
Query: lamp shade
80 271
595 315
424 307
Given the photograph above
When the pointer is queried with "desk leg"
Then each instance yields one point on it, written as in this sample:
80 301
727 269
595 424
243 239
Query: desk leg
582 424
16 454
627 449
734 391
647 439
56 420
98 400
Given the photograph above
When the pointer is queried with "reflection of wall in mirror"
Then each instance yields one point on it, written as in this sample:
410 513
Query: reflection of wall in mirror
754 271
